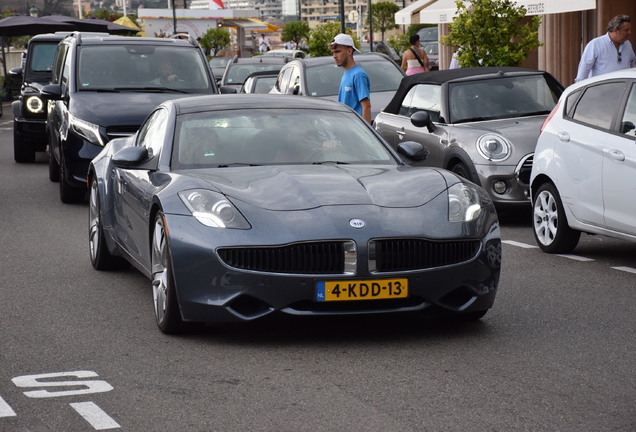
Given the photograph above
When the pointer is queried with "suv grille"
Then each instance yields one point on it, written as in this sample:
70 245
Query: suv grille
416 254
299 258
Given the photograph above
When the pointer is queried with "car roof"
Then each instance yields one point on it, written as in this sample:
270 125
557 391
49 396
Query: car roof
260 59
252 101
264 73
49 37
362 57
454 75
89 38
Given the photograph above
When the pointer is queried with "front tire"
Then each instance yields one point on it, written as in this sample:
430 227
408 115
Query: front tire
22 151
68 193
101 258
164 294
550 224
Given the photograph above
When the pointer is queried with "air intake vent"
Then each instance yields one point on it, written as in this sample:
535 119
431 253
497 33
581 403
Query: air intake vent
121 131
416 254
299 258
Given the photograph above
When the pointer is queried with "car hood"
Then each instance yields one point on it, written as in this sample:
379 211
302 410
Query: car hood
379 100
300 187
522 132
110 109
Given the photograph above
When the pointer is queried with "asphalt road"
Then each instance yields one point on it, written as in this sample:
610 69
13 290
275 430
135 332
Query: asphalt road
79 349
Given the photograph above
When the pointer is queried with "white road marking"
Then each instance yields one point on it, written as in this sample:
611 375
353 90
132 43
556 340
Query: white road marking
518 244
95 415
575 257
5 409
625 269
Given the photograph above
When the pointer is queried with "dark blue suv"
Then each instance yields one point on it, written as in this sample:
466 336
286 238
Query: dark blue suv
103 87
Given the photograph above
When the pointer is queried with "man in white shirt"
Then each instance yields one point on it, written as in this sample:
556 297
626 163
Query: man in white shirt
263 44
608 53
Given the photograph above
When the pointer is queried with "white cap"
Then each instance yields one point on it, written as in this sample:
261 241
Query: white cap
344 39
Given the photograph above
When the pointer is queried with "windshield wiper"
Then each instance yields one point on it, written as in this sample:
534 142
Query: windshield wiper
157 89
237 164
330 162
100 90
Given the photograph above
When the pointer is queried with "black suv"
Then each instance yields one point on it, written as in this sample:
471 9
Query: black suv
103 87
29 111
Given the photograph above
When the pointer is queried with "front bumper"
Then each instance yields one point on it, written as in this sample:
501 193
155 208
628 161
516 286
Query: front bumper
210 291
516 179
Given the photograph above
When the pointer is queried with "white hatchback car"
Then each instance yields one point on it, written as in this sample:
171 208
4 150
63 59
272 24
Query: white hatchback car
584 173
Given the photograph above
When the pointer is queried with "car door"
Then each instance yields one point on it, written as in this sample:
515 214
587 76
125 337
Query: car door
619 170
134 190
584 147
397 128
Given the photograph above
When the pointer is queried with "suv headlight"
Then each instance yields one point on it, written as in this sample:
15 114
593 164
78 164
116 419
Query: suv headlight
87 130
35 105
465 202
493 147
213 209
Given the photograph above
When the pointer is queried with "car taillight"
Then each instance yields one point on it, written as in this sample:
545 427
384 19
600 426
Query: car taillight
554 110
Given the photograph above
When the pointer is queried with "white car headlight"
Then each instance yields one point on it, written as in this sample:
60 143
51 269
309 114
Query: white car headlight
213 209
88 131
493 147
465 202
34 104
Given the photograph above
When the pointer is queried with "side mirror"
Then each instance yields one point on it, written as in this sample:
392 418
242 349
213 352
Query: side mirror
413 150
293 90
51 91
15 71
422 119
130 157
227 90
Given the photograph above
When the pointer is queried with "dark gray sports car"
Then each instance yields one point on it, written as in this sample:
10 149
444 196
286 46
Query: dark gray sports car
242 205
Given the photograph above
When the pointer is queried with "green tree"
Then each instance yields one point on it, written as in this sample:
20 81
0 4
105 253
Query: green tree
62 7
383 14
321 36
296 32
106 15
488 33
215 39
399 42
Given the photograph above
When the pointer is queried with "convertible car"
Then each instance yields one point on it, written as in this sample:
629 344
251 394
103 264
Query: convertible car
238 206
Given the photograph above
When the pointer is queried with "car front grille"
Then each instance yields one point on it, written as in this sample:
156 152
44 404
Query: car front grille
298 258
524 169
120 131
340 257
393 255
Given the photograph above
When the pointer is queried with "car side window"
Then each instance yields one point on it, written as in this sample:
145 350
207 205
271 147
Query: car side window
59 63
294 79
570 103
151 134
628 122
283 81
66 75
422 97
599 104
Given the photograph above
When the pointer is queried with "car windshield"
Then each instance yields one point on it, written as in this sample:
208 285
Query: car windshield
219 62
141 67
274 136
42 55
431 49
324 80
238 72
500 98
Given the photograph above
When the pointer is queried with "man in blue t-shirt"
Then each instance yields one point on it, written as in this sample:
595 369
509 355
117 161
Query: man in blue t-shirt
355 89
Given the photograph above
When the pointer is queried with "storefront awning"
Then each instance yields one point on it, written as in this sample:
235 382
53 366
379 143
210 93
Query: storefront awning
268 27
443 11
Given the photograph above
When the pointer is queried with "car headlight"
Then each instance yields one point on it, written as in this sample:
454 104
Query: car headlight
493 147
35 105
213 209
88 131
465 202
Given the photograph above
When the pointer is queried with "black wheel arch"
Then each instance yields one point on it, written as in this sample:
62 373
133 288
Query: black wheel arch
457 154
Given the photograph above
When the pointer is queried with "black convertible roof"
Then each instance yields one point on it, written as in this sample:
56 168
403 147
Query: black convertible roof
444 76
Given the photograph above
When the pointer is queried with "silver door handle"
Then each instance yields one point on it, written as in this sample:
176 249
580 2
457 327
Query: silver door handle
617 155
564 136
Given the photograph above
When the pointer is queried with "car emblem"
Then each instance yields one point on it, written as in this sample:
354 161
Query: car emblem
357 223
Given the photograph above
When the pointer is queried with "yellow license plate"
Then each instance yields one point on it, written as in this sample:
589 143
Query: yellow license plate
362 289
